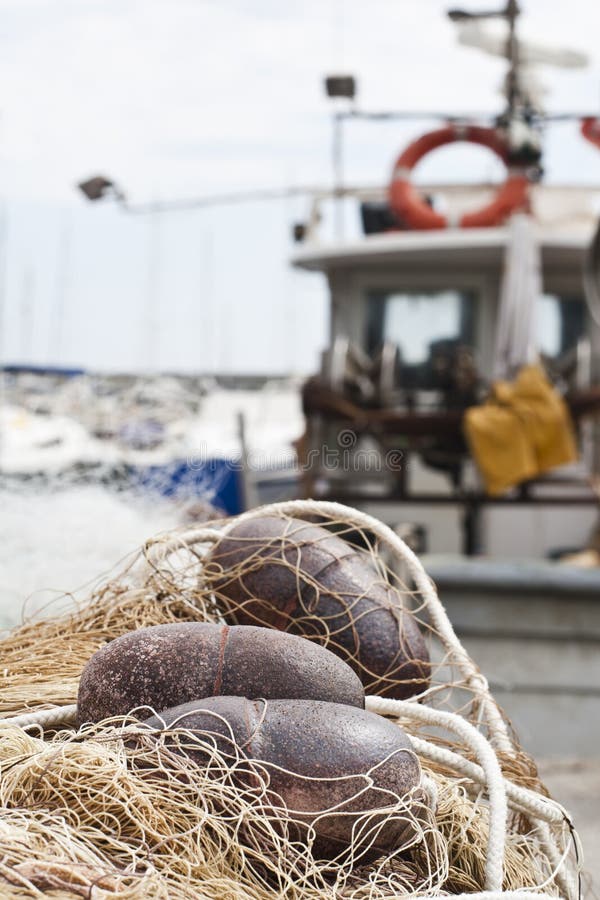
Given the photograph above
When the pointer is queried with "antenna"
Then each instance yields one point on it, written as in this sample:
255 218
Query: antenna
512 54
509 13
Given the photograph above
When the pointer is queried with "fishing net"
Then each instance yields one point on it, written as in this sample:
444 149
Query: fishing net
114 810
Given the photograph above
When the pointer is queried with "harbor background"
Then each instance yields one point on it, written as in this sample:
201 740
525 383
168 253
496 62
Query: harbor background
193 99
176 100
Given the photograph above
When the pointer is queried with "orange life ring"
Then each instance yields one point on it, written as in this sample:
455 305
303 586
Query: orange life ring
414 212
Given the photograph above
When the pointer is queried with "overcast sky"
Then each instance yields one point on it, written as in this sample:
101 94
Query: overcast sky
177 98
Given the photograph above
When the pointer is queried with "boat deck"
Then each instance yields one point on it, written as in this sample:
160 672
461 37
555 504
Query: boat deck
534 627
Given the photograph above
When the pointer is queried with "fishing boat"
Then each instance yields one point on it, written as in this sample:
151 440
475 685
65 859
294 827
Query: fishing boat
449 301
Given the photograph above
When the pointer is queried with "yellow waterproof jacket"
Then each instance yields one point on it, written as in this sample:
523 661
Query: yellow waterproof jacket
522 430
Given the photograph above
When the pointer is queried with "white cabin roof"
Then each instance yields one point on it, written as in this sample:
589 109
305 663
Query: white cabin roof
482 246
565 219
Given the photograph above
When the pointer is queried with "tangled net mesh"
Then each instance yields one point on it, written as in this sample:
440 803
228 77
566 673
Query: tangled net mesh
110 810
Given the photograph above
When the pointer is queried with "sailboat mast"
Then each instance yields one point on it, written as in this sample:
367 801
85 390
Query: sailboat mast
512 53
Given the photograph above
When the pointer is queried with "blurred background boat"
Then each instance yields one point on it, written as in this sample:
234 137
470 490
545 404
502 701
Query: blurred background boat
451 300
189 439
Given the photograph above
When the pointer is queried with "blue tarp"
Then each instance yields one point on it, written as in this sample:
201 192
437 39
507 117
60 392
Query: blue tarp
216 480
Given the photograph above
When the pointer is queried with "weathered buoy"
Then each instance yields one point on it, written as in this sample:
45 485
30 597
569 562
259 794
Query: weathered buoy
337 768
300 578
166 665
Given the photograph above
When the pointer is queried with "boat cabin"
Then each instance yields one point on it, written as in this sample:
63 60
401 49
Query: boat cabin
413 330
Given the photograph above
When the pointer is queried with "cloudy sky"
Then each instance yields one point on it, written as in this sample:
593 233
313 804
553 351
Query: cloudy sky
179 98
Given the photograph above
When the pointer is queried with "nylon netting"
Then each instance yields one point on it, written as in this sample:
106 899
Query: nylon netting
112 810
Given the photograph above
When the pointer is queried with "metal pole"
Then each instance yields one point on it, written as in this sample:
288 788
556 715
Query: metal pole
27 313
60 294
591 292
151 331
338 174
512 53
3 316
248 483
3 285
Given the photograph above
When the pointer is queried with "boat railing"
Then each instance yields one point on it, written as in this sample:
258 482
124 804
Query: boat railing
563 206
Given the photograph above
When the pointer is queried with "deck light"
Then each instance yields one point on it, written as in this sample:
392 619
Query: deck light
462 15
99 187
340 86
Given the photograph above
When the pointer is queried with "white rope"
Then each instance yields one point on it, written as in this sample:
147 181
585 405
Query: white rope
520 798
519 292
183 539
159 548
494 780
45 718
560 873
432 792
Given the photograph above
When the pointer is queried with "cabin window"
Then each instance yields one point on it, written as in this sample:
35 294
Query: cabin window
560 323
421 323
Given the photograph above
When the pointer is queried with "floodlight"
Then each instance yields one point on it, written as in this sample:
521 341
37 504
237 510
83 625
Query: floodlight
97 188
341 86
